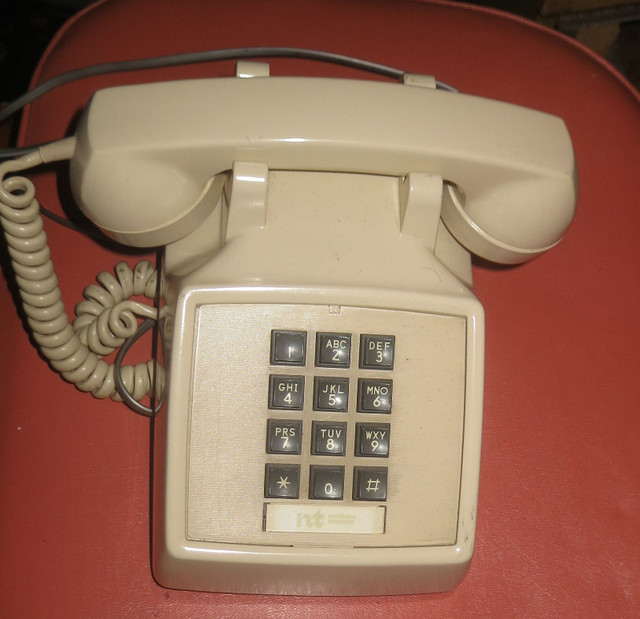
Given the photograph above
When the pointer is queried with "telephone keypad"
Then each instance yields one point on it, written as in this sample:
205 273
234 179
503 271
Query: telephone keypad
346 444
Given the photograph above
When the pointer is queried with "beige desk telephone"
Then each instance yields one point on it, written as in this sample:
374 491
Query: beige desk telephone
321 430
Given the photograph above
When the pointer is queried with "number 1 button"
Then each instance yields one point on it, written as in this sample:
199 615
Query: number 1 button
288 347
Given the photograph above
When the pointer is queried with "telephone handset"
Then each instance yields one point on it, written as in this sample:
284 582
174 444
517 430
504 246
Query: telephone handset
321 432
514 165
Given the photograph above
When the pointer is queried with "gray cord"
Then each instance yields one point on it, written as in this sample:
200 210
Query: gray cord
127 398
193 58
215 55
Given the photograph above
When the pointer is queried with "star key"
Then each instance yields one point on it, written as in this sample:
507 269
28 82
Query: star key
282 481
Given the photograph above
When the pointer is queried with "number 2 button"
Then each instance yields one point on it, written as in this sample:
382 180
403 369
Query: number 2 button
333 350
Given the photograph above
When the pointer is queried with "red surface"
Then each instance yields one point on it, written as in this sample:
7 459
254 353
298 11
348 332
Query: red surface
558 522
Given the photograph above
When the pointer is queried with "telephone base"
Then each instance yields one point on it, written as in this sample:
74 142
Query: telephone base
319 448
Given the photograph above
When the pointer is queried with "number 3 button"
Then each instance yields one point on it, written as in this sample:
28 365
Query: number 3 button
376 352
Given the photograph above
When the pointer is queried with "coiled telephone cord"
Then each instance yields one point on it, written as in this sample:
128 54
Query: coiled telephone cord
106 320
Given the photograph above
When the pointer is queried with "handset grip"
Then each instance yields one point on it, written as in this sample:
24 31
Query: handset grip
145 153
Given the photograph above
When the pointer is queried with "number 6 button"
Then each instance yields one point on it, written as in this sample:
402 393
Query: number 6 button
374 395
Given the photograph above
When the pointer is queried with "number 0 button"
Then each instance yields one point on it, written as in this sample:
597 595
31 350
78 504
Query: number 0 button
326 482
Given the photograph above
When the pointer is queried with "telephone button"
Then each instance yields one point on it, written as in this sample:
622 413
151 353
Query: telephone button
288 347
372 440
374 395
328 439
330 394
377 352
284 436
286 392
326 482
333 350
370 483
282 481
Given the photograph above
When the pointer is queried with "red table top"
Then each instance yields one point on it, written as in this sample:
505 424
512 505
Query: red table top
558 526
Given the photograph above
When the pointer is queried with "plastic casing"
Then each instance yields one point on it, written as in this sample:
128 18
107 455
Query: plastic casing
304 197
312 253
